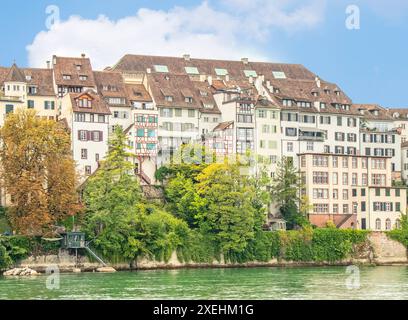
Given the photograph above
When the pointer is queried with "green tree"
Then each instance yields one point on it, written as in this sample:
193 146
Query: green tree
228 215
285 192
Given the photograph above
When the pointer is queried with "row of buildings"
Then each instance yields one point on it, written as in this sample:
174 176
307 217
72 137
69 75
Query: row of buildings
351 156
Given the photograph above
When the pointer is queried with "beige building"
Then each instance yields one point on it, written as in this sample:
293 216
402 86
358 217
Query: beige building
352 191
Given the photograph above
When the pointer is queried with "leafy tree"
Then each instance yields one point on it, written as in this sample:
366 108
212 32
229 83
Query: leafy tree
113 189
286 191
228 214
38 172
5 260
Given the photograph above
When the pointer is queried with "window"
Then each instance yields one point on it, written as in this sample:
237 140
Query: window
49 105
364 179
279 75
221 72
345 208
96 136
335 193
262 113
354 180
363 192
398 224
290 147
388 224
387 192
309 146
345 194
66 77
397 192
320 208
355 207
364 163
101 118
177 112
161 68
354 163
291 132
97 157
345 179
363 206
397 206
83 78
335 208
339 136
320 193
378 224
88 170
339 121
84 154
191 70
320 177
335 162
378 179
250 73
30 104
140 133
335 178
320 161
83 135
325 119
378 192
326 149
345 162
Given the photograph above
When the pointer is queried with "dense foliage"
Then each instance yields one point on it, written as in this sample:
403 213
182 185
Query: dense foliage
37 172
401 234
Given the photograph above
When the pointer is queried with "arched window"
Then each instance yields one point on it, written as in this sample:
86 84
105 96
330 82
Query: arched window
398 224
388 224
378 224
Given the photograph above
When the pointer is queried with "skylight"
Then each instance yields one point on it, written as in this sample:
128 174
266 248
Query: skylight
279 75
160 68
221 72
250 73
191 70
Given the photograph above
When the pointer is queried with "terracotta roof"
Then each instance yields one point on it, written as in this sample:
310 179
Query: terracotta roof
235 69
42 79
203 91
399 113
265 103
404 144
372 112
137 92
110 85
98 105
15 74
223 125
172 85
74 67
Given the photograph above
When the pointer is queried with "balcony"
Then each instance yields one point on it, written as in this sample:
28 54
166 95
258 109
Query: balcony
311 134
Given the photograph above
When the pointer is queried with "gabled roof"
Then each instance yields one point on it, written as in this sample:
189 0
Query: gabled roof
110 84
138 93
373 112
15 75
223 125
74 67
235 69
98 105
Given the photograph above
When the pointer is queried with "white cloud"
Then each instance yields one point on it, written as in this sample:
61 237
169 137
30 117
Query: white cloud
201 31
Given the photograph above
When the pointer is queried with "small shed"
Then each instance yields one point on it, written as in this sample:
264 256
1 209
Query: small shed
74 240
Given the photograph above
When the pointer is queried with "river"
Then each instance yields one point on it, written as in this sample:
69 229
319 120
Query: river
240 283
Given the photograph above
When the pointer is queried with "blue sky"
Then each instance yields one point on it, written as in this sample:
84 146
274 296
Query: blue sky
369 64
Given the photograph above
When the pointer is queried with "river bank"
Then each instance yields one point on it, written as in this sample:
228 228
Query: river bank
378 250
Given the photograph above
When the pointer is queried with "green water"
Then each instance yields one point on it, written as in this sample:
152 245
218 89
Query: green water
251 283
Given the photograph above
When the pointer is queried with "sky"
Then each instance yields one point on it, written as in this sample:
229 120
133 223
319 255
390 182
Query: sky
361 45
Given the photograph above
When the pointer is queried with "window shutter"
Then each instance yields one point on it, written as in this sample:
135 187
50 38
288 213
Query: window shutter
79 134
100 135
89 135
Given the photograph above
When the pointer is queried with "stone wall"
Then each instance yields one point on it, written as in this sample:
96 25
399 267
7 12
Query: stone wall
379 250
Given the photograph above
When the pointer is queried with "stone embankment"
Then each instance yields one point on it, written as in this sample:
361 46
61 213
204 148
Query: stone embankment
378 250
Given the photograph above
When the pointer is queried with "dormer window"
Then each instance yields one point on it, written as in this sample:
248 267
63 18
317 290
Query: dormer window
208 106
83 78
322 105
168 98
188 99
361 111
326 90
315 93
303 104
276 90
78 67
203 93
84 103
161 68
32 90
66 77
287 102
28 78
396 115
221 72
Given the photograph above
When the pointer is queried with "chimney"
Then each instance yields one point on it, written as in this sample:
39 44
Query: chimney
148 70
245 60
209 79
227 77
48 64
54 60
317 82
83 55
186 57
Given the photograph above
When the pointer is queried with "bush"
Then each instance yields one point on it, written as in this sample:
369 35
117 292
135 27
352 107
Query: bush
5 260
